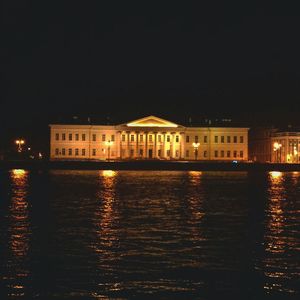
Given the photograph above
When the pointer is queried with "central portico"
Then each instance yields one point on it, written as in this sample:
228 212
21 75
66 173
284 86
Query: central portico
151 138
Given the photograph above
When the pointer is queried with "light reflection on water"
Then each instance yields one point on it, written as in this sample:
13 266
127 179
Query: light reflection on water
139 234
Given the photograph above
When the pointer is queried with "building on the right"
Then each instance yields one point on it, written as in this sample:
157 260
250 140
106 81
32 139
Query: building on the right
270 144
285 147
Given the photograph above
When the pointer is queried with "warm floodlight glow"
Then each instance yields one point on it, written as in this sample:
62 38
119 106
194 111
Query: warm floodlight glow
109 173
275 174
276 146
20 143
151 121
196 145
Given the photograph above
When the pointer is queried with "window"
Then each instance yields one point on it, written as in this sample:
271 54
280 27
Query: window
103 137
159 138
205 153
112 137
187 153
70 137
216 153
76 152
94 137
187 139
176 153
177 139
63 136
234 153
77 137
141 152
150 138
222 139
235 139
94 152
83 152
196 138
131 138
205 139
159 153
228 153
241 154
131 152
228 139
168 138
241 139
168 152
57 136
216 139
63 151
222 153
83 136
70 151
141 138
123 137
56 151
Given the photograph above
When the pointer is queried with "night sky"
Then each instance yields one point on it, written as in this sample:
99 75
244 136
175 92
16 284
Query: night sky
121 61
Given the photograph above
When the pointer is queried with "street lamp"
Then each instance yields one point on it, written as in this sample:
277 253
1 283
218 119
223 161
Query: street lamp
196 146
276 147
20 143
108 144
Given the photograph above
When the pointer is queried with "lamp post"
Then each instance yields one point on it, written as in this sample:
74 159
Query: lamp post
108 144
196 146
276 148
20 143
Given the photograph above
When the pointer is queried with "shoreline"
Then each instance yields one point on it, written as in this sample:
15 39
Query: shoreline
147 165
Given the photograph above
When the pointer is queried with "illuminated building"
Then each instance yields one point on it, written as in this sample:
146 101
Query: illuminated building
148 138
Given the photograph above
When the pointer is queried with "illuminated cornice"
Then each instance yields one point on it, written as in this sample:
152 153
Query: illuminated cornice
151 121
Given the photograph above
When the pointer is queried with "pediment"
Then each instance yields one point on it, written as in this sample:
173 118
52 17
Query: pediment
151 121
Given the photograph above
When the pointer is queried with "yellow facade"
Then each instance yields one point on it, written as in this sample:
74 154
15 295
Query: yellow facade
148 138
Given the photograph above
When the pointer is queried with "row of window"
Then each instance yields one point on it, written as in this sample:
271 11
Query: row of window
217 153
104 137
217 139
76 137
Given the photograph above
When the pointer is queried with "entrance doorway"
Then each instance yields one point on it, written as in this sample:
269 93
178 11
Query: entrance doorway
150 153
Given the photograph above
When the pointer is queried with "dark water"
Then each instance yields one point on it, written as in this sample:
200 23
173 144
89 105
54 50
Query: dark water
149 235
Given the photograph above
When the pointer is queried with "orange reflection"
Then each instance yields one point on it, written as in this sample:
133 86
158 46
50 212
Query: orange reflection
19 228
108 173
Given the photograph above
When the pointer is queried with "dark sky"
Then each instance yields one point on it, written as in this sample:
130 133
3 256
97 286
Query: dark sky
123 60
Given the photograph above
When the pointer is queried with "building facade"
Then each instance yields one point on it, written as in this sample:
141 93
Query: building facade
147 138
285 147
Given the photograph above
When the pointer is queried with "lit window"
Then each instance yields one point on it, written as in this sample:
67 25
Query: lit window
57 136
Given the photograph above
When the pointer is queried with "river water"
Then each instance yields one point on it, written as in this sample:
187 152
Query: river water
149 235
